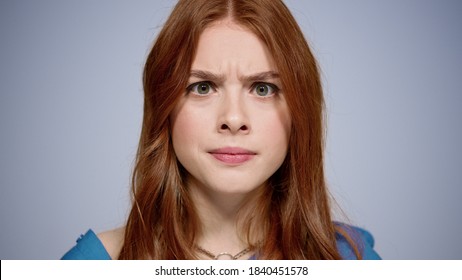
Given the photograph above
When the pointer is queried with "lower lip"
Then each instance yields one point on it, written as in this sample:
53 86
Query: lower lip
233 158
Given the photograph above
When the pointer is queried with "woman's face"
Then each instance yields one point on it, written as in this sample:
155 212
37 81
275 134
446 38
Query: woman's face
231 128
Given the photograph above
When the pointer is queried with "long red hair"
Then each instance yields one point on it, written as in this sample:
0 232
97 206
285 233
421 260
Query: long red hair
294 211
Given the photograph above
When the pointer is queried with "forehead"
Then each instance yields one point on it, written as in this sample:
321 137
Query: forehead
225 44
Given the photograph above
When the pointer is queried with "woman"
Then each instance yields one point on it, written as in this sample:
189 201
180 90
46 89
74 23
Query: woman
230 160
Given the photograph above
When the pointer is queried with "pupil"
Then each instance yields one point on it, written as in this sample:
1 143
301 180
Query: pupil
203 88
262 89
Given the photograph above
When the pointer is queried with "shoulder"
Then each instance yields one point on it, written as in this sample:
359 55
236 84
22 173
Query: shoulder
113 241
361 238
104 246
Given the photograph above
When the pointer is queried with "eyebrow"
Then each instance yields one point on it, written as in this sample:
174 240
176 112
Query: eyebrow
209 76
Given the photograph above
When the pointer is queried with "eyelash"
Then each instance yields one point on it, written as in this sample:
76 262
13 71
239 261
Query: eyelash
190 88
275 89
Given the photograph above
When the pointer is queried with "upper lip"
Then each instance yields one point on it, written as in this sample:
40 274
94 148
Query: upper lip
232 151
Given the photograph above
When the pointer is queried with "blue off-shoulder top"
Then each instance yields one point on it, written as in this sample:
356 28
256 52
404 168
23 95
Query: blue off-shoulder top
89 246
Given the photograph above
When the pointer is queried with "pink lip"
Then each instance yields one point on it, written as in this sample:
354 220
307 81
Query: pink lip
232 155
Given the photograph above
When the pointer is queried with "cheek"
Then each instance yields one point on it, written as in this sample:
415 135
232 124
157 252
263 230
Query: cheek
180 130
282 124
187 128
274 131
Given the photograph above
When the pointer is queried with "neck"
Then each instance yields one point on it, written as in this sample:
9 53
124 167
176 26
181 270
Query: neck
220 215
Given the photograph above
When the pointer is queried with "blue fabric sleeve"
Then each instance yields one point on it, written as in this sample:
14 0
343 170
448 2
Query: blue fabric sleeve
362 239
88 247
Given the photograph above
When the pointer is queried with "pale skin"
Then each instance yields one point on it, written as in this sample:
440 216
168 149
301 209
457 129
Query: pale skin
230 131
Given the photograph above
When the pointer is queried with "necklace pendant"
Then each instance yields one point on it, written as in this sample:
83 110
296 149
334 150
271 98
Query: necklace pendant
224 256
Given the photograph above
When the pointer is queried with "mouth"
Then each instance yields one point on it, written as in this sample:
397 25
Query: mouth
232 155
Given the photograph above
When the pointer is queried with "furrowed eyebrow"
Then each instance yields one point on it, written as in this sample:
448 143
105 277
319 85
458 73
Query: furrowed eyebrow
206 75
209 76
263 76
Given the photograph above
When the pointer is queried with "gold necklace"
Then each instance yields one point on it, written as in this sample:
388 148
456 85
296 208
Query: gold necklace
224 254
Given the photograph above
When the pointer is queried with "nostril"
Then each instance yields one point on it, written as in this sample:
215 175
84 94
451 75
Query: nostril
234 129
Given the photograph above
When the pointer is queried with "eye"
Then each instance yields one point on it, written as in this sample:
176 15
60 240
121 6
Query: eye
265 89
200 88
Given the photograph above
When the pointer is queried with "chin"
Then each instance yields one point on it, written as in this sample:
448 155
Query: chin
238 188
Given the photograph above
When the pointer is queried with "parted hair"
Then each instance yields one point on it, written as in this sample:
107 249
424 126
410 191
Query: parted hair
293 211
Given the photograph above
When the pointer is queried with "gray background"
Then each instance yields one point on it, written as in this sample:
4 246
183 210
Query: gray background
71 100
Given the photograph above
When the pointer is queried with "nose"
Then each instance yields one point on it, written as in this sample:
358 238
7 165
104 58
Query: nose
233 117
